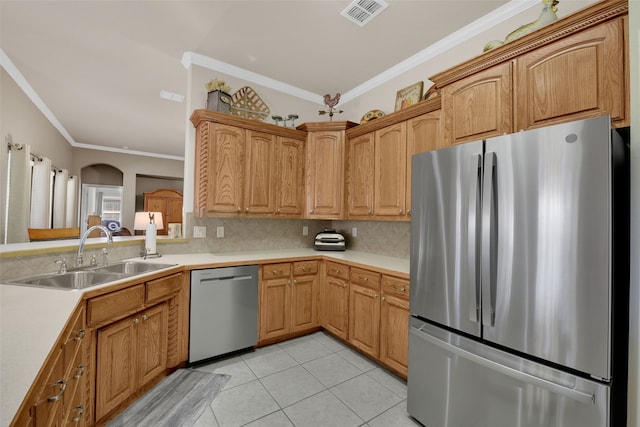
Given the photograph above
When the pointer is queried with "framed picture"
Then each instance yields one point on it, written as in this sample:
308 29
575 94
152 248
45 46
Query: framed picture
408 96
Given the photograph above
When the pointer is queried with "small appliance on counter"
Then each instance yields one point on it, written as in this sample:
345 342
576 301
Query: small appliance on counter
329 240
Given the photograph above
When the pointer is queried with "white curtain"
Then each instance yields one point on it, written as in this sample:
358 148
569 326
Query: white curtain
18 198
72 202
60 198
41 194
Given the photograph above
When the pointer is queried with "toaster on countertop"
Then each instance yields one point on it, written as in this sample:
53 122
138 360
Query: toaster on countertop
329 240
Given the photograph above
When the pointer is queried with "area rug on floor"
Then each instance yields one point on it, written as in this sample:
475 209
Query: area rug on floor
177 400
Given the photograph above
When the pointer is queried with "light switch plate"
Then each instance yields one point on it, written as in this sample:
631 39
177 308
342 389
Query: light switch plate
219 231
305 230
354 231
199 232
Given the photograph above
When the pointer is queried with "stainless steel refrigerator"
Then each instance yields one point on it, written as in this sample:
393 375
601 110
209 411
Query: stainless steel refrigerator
520 280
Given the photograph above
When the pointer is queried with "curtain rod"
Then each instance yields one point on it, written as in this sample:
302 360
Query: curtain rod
34 156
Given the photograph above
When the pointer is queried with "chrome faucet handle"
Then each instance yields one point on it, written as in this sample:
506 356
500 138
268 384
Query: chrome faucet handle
94 260
79 261
105 257
63 265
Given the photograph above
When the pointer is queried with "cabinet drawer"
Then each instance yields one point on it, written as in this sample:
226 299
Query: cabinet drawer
115 305
159 289
337 270
274 271
303 268
365 278
395 286
74 336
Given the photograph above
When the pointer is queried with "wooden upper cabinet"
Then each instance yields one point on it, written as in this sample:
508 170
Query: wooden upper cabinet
259 197
167 201
246 167
573 78
478 106
226 169
325 169
390 171
423 134
289 177
360 175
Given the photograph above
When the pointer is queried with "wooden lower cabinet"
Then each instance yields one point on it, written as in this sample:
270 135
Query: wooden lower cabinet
364 319
334 300
58 396
131 352
394 324
288 299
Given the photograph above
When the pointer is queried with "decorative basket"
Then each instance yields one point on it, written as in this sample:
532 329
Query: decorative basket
247 103
220 101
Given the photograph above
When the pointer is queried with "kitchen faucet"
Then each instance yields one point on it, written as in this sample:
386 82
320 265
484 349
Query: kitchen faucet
83 239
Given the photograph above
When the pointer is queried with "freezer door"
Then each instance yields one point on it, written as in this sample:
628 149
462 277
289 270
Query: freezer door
547 247
456 382
445 199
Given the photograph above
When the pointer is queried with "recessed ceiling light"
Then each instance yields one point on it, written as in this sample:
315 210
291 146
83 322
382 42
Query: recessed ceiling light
361 12
164 94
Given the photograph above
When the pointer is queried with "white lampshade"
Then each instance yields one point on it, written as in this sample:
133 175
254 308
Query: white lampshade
142 219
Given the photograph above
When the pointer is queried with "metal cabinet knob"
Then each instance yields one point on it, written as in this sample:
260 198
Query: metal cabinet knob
136 321
81 369
145 317
80 333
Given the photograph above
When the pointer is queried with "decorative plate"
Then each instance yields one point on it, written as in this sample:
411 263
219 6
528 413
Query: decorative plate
373 114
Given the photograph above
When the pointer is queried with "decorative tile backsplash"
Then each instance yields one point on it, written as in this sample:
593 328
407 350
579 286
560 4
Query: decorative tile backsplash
240 234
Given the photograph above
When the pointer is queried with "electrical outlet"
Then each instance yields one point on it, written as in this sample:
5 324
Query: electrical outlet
305 230
219 231
354 231
199 232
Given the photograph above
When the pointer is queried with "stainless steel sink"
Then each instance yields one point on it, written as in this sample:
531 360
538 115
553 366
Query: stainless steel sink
71 280
132 267
89 276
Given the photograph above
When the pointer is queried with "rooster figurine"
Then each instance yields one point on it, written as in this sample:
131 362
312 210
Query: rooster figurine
331 103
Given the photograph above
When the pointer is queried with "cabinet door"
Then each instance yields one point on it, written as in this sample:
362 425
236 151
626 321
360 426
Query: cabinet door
360 176
259 195
478 106
116 370
325 175
364 319
304 303
289 180
578 77
335 306
152 342
275 297
390 170
423 134
226 164
394 333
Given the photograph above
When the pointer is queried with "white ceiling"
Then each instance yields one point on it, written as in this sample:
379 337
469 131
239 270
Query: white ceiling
99 66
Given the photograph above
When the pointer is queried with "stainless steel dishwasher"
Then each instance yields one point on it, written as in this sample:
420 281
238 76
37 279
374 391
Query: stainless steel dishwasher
224 311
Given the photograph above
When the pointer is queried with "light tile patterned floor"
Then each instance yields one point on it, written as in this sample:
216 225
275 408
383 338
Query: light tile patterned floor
306 382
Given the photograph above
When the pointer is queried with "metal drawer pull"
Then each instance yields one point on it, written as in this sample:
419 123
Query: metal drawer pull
81 369
80 333
335 270
278 271
80 410
363 278
63 386
398 288
145 317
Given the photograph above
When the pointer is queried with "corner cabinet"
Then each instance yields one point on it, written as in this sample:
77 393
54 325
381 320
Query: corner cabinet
325 167
246 168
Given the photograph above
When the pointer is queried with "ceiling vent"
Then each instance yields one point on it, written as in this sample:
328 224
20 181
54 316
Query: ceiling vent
363 11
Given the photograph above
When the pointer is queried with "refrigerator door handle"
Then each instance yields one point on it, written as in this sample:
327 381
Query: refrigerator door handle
475 177
488 232
568 392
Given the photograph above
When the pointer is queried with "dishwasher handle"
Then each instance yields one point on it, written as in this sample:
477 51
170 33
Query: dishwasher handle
225 278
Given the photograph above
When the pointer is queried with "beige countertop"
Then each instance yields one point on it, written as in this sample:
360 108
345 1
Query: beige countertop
31 319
